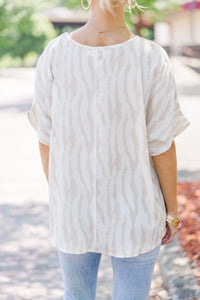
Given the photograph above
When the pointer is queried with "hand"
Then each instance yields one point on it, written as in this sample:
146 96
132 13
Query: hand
169 233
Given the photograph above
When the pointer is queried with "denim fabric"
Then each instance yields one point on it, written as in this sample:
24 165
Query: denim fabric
132 276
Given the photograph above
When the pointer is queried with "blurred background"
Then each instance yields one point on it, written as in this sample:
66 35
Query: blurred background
26 26
28 264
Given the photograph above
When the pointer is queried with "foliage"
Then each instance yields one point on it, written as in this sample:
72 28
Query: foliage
22 29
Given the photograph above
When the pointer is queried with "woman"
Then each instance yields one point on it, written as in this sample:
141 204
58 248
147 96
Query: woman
106 113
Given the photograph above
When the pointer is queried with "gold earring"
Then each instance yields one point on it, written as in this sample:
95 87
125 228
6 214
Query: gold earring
88 5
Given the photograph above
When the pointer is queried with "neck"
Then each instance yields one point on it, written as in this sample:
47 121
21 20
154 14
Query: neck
104 20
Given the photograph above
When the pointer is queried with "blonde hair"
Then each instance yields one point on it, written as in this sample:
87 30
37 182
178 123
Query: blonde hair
109 5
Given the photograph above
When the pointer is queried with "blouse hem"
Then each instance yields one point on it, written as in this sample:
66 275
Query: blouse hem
102 252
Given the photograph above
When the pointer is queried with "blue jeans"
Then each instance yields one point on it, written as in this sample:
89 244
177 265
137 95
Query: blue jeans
132 276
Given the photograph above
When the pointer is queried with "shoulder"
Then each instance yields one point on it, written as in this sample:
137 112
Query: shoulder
153 48
53 45
154 56
47 59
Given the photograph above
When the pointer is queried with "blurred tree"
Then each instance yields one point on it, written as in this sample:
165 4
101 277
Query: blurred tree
22 29
155 11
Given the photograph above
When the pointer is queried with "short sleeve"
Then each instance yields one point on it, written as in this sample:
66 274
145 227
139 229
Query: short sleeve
164 117
40 113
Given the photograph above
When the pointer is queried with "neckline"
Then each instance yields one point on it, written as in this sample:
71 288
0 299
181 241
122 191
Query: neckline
101 47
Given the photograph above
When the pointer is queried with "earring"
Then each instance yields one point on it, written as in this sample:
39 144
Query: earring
88 5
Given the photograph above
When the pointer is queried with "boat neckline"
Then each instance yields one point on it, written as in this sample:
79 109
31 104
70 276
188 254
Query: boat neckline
101 47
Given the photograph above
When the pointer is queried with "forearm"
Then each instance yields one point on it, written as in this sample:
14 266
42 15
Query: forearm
166 168
44 153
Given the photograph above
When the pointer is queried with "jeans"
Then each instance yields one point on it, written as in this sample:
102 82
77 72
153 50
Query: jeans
132 276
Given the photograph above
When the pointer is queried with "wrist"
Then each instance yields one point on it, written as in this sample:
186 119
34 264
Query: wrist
173 213
173 220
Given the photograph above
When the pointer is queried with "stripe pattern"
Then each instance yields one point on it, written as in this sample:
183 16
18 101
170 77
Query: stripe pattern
104 112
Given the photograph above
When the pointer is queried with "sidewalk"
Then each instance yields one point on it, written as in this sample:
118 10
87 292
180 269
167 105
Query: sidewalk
188 142
29 266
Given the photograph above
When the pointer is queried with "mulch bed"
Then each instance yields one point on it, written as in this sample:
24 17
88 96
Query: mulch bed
189 232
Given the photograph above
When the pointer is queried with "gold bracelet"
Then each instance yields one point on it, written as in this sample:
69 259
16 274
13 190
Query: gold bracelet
175 221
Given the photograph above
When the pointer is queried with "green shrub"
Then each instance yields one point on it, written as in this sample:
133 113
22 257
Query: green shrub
23 29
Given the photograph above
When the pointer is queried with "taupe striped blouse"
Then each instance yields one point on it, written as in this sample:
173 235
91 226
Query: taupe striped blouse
104 111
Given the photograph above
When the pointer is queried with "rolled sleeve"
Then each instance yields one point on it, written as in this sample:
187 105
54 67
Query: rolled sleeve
164 117
40 113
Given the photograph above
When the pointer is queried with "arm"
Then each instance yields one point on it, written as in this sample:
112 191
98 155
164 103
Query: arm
166 168
165 120
44 153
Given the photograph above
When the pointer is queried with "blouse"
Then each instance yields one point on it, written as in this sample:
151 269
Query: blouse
104 111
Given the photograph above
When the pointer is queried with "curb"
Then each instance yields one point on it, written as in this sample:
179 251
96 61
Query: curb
177 274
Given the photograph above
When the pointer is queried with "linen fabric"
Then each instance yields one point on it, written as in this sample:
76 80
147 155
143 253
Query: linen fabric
104 112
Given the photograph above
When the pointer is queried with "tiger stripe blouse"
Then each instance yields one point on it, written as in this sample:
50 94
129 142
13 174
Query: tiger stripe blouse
104 111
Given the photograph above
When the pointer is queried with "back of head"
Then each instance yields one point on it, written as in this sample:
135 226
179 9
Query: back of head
110 5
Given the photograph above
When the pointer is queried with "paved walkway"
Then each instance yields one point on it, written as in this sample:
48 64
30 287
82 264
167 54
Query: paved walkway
28 263
188 142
